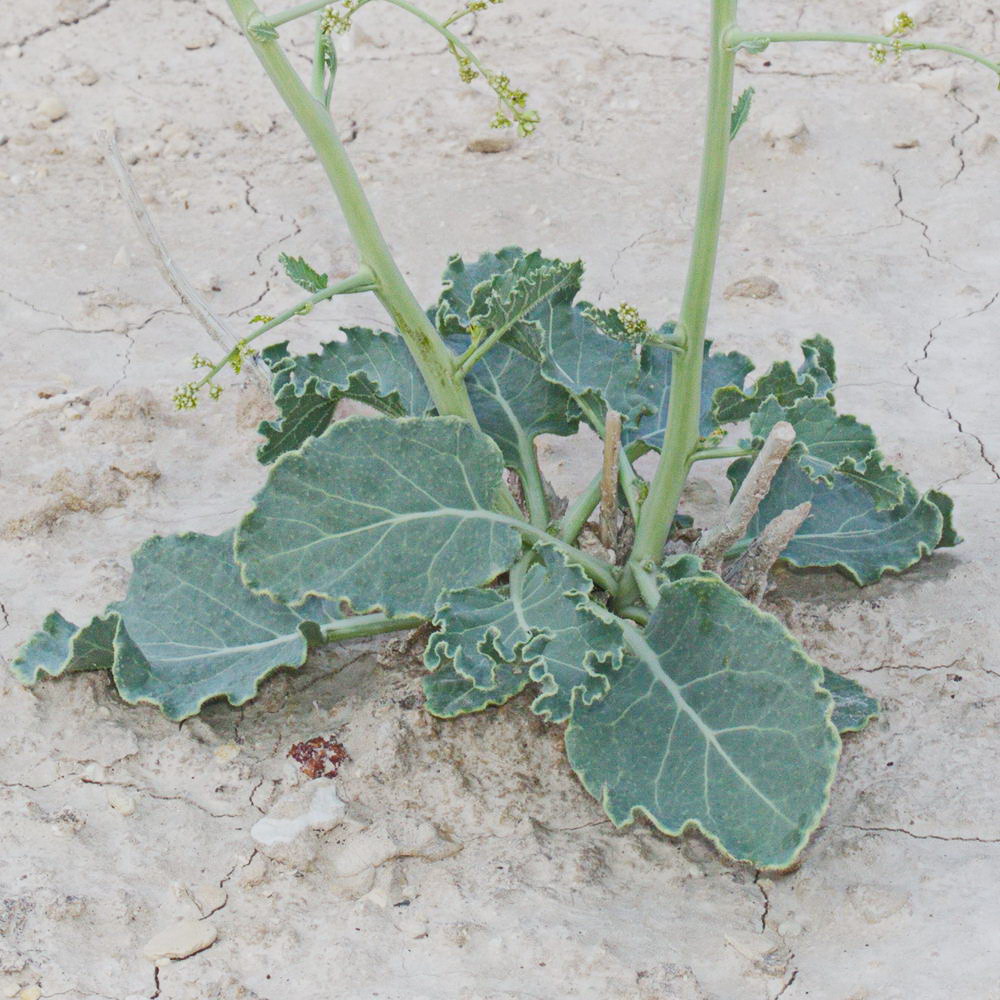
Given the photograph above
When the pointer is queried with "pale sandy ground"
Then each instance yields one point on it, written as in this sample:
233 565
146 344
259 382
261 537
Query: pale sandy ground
474 866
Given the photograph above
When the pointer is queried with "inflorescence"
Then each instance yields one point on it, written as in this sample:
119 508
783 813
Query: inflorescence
512 110
186 396
901 26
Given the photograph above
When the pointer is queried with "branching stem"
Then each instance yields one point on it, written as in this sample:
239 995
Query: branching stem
759 39
302 10
429 351
360 282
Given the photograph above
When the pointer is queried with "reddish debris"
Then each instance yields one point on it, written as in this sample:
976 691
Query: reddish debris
319 757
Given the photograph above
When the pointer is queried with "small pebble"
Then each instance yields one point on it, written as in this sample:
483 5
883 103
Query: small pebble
757 286
785 124
180 941
209 897
87 76
120 801
906 144
29 993
495 142
52 107
227 753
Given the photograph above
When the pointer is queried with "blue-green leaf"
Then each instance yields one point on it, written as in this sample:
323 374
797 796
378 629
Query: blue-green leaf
853 707
448 694
61 647
846 529
945 504
826 441
717 720
657 367
514 403
509 299
382 513
189 631
546 618
370 367
815 377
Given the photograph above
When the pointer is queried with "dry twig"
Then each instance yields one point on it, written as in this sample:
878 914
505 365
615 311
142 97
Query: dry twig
609 479
715 543
216 328
749 573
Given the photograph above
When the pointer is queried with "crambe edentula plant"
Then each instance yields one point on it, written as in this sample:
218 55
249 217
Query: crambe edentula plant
681 700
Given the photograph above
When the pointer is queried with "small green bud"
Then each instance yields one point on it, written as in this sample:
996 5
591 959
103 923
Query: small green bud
262 319
198 361
334 21
902 24
186 396
633 324
466 71
214 390
240 353
878 53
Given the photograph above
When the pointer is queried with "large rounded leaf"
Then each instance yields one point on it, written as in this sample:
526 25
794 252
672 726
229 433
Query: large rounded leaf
717 720
189 631
382 513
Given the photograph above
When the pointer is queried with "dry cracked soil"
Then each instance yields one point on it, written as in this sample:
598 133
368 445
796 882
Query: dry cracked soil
468 863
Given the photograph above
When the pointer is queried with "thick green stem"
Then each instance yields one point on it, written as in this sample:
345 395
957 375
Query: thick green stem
753 39
428 349
683 411
361 626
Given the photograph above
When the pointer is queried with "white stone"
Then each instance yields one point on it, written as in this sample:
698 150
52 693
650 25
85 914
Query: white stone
757 286
120 801
209 897
785 124
52 107
324 812
184 939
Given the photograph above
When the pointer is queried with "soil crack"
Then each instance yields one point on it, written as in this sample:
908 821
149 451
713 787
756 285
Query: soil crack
954 141
924 227
923 836
69 23
946 411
